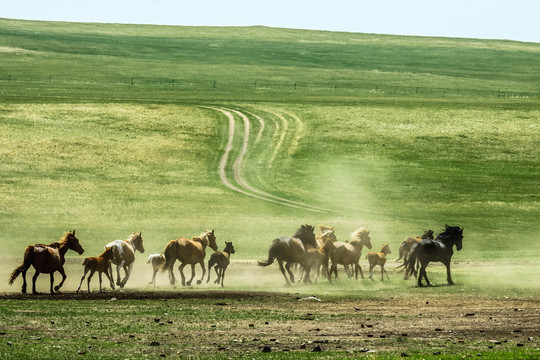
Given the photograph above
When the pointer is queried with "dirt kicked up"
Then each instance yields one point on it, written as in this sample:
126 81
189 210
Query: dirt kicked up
242 324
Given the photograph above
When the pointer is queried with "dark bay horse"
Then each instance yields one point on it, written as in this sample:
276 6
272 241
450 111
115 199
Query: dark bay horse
439 250
47 259
291 250
220 260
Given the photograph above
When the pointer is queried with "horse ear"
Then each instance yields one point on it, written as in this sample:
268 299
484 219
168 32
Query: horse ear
73 232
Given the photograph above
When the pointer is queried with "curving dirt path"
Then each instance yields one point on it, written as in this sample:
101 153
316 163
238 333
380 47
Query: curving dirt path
238 183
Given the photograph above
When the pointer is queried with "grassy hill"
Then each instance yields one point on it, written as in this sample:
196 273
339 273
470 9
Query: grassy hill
102 132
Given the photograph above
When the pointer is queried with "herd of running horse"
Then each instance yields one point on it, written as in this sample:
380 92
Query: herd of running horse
305 248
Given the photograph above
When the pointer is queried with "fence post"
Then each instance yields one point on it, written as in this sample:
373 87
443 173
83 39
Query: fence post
215 84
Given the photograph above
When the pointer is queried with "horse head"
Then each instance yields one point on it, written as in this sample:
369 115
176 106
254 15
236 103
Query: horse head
328 235
452 235
211 237
229 248
108 253
306 235
137 241
386 249
72 242
362 235
428 234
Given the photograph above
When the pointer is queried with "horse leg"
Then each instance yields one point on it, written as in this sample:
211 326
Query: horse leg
181 269
371 271
358 269
127 270
24 281
82 279
118 282
172 279
280 262
307 272
52 282
63 273
223 274
203 272
90 278
110 276
448 276
333 269
218 273
388 277
192 275
100 290
34 278
288 268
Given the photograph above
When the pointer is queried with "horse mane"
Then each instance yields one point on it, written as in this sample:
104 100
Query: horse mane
448 234
357 234
202 238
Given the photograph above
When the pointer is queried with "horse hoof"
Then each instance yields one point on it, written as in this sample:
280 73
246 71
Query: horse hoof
188 283
56 288
199 282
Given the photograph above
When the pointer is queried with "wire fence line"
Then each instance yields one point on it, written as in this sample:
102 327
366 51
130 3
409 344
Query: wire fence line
164 83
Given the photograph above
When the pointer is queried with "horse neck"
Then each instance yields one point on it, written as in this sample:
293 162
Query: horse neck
203 240
131 243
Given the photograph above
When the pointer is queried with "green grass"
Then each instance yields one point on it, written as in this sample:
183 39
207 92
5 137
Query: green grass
417 133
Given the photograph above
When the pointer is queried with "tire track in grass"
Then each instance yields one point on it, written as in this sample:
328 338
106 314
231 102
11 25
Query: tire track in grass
241 185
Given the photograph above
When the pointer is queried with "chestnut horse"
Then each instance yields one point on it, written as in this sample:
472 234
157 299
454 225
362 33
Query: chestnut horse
124 255
99 264
47 259
188 251
220 260
349 253
291 250
378 258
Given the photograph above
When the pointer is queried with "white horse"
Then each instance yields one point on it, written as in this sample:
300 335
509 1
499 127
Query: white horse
124 255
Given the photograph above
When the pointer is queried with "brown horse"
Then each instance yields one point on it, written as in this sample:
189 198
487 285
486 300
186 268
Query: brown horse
349 253
190 252
319 257
220 260
291 250
375 258
47 259
99 264
124 255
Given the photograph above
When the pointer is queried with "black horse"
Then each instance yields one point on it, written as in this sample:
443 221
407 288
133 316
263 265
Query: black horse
439 250
291 250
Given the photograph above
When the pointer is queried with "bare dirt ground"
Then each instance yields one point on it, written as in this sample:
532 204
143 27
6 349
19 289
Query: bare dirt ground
290 322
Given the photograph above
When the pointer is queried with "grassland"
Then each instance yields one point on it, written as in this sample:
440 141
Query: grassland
103 129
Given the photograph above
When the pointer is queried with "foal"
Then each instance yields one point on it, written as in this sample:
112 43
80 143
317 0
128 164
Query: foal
157 261
99 264
319 257
220 260
376 258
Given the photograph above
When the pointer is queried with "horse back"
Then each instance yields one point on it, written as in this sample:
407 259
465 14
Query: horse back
45 259
344 254
189 251
122 252
288 249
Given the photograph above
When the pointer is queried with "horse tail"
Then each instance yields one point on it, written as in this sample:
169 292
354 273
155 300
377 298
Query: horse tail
271 255
411 261
27 262
170 255
85 261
